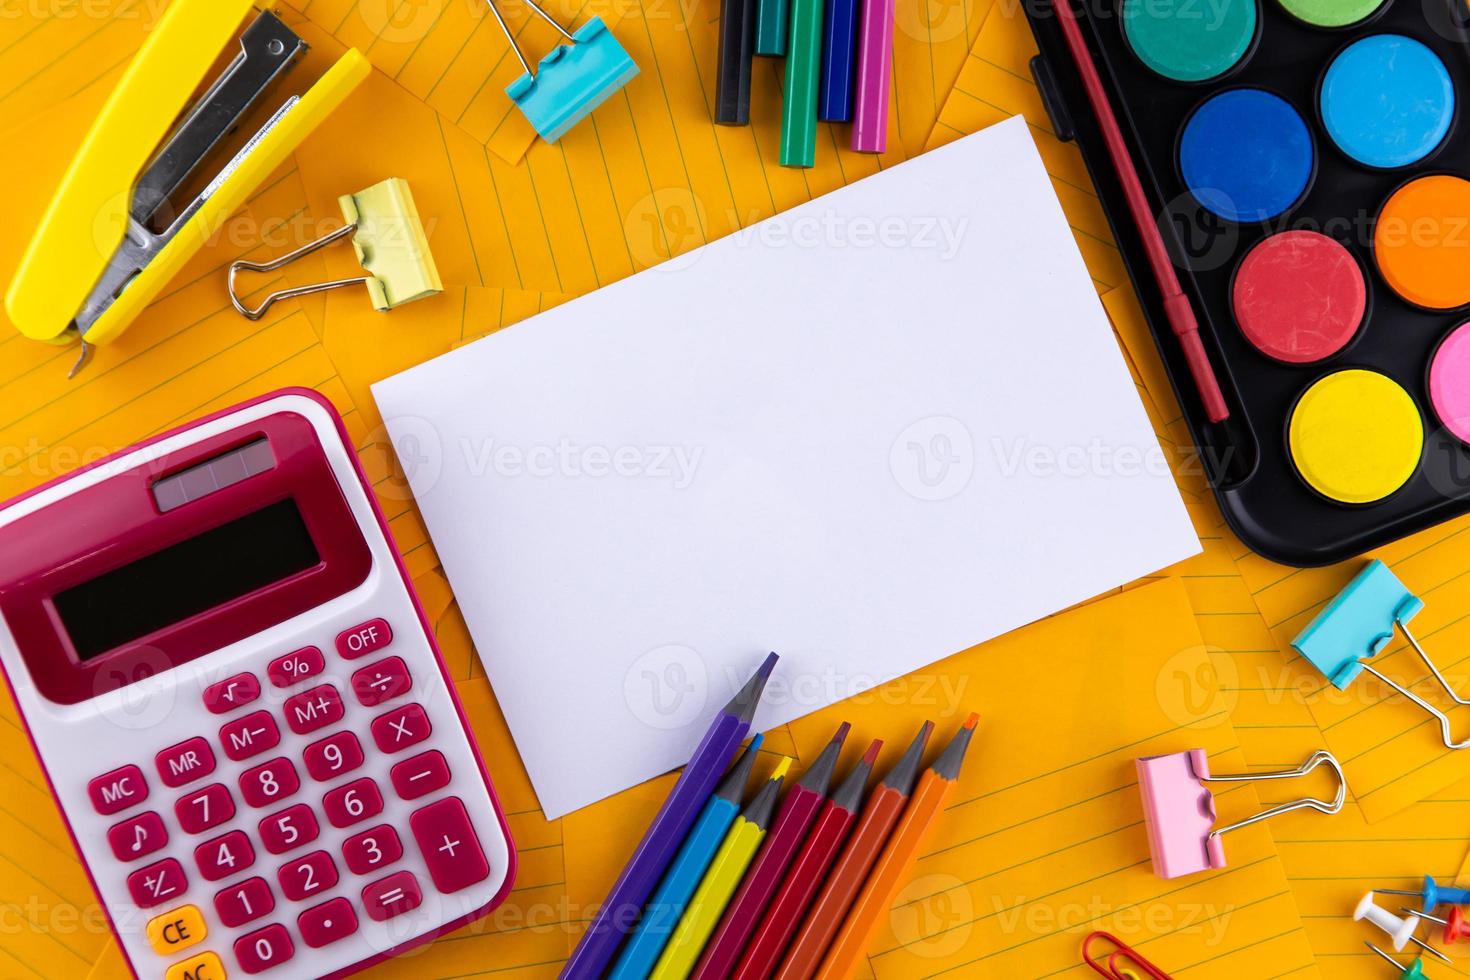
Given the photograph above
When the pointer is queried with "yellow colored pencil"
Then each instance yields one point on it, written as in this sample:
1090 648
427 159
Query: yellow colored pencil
718 885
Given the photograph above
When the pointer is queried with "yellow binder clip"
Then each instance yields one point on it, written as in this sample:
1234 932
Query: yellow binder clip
136 204
390 243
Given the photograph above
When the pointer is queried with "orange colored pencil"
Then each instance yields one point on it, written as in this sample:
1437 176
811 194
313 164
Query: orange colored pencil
898 858
880 815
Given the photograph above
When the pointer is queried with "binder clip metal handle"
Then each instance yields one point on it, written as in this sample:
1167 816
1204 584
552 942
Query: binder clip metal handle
1179 810
572 79
1357 624
389 240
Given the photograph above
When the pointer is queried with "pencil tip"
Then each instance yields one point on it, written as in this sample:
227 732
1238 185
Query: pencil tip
905 771
973 720
818 777
748 698
949 761
782 768
871 756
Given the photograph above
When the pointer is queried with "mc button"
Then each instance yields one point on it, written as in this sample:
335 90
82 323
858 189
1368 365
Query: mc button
177 930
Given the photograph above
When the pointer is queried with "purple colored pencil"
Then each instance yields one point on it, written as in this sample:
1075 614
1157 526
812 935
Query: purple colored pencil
619 914
874 64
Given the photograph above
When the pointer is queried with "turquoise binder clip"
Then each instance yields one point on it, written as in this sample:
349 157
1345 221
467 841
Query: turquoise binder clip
1358 624
572 80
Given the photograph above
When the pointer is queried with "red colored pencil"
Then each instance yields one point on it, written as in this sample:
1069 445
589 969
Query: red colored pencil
1176 304
807 873
863 848
798 811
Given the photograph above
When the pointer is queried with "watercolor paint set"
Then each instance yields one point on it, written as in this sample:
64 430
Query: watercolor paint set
1293 176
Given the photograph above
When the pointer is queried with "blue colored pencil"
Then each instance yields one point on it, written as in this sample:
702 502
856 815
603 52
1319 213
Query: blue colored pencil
619 914
839 61
668 903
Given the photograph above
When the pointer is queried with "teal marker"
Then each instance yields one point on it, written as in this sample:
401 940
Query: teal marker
772 19
683 877
803 80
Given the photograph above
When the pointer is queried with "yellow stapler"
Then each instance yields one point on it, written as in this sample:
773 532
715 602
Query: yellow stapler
135 204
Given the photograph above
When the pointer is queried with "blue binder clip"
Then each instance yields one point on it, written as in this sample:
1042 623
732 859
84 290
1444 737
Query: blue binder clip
1358 624
572 80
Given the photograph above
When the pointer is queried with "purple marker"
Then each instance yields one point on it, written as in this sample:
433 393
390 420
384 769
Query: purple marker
619 914
875 63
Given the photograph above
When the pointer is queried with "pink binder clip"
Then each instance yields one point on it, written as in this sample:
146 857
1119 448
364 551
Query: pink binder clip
1179 810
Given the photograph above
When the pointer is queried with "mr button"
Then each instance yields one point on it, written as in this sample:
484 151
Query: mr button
177 930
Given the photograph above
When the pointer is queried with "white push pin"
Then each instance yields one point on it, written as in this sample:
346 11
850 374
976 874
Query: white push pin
1400 930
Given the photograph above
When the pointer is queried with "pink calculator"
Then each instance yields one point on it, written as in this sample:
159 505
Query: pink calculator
239 705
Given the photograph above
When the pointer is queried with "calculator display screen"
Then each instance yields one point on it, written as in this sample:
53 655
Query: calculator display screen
188 578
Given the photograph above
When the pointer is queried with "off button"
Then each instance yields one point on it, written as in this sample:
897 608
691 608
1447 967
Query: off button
364 639
178 930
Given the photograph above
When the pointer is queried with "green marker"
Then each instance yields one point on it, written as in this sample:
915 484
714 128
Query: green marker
770 27
803 77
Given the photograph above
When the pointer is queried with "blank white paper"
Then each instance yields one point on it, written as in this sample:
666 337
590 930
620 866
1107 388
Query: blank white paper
868 433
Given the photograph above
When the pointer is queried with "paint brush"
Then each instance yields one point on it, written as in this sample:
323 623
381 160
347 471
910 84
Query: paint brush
1176 304
620 912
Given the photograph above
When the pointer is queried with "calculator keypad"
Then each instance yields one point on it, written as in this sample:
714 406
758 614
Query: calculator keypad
231 693
224 855
251 735
401 728
265 948
185 762
137 837
327 923
282 866
316 709
269 783
113 792
204 809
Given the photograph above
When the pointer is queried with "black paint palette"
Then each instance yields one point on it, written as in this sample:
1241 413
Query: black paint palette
1310 168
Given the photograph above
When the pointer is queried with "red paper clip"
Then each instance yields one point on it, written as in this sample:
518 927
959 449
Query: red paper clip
1122 957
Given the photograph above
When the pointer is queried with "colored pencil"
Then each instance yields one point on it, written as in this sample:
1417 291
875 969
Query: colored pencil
839 55
841 887
619 914
807 873
803 79
874 64
897 859
735 62
1176 304
720 881
674 892
795 819
772 18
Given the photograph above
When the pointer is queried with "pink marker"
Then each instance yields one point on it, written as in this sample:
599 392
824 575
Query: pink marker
875 64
